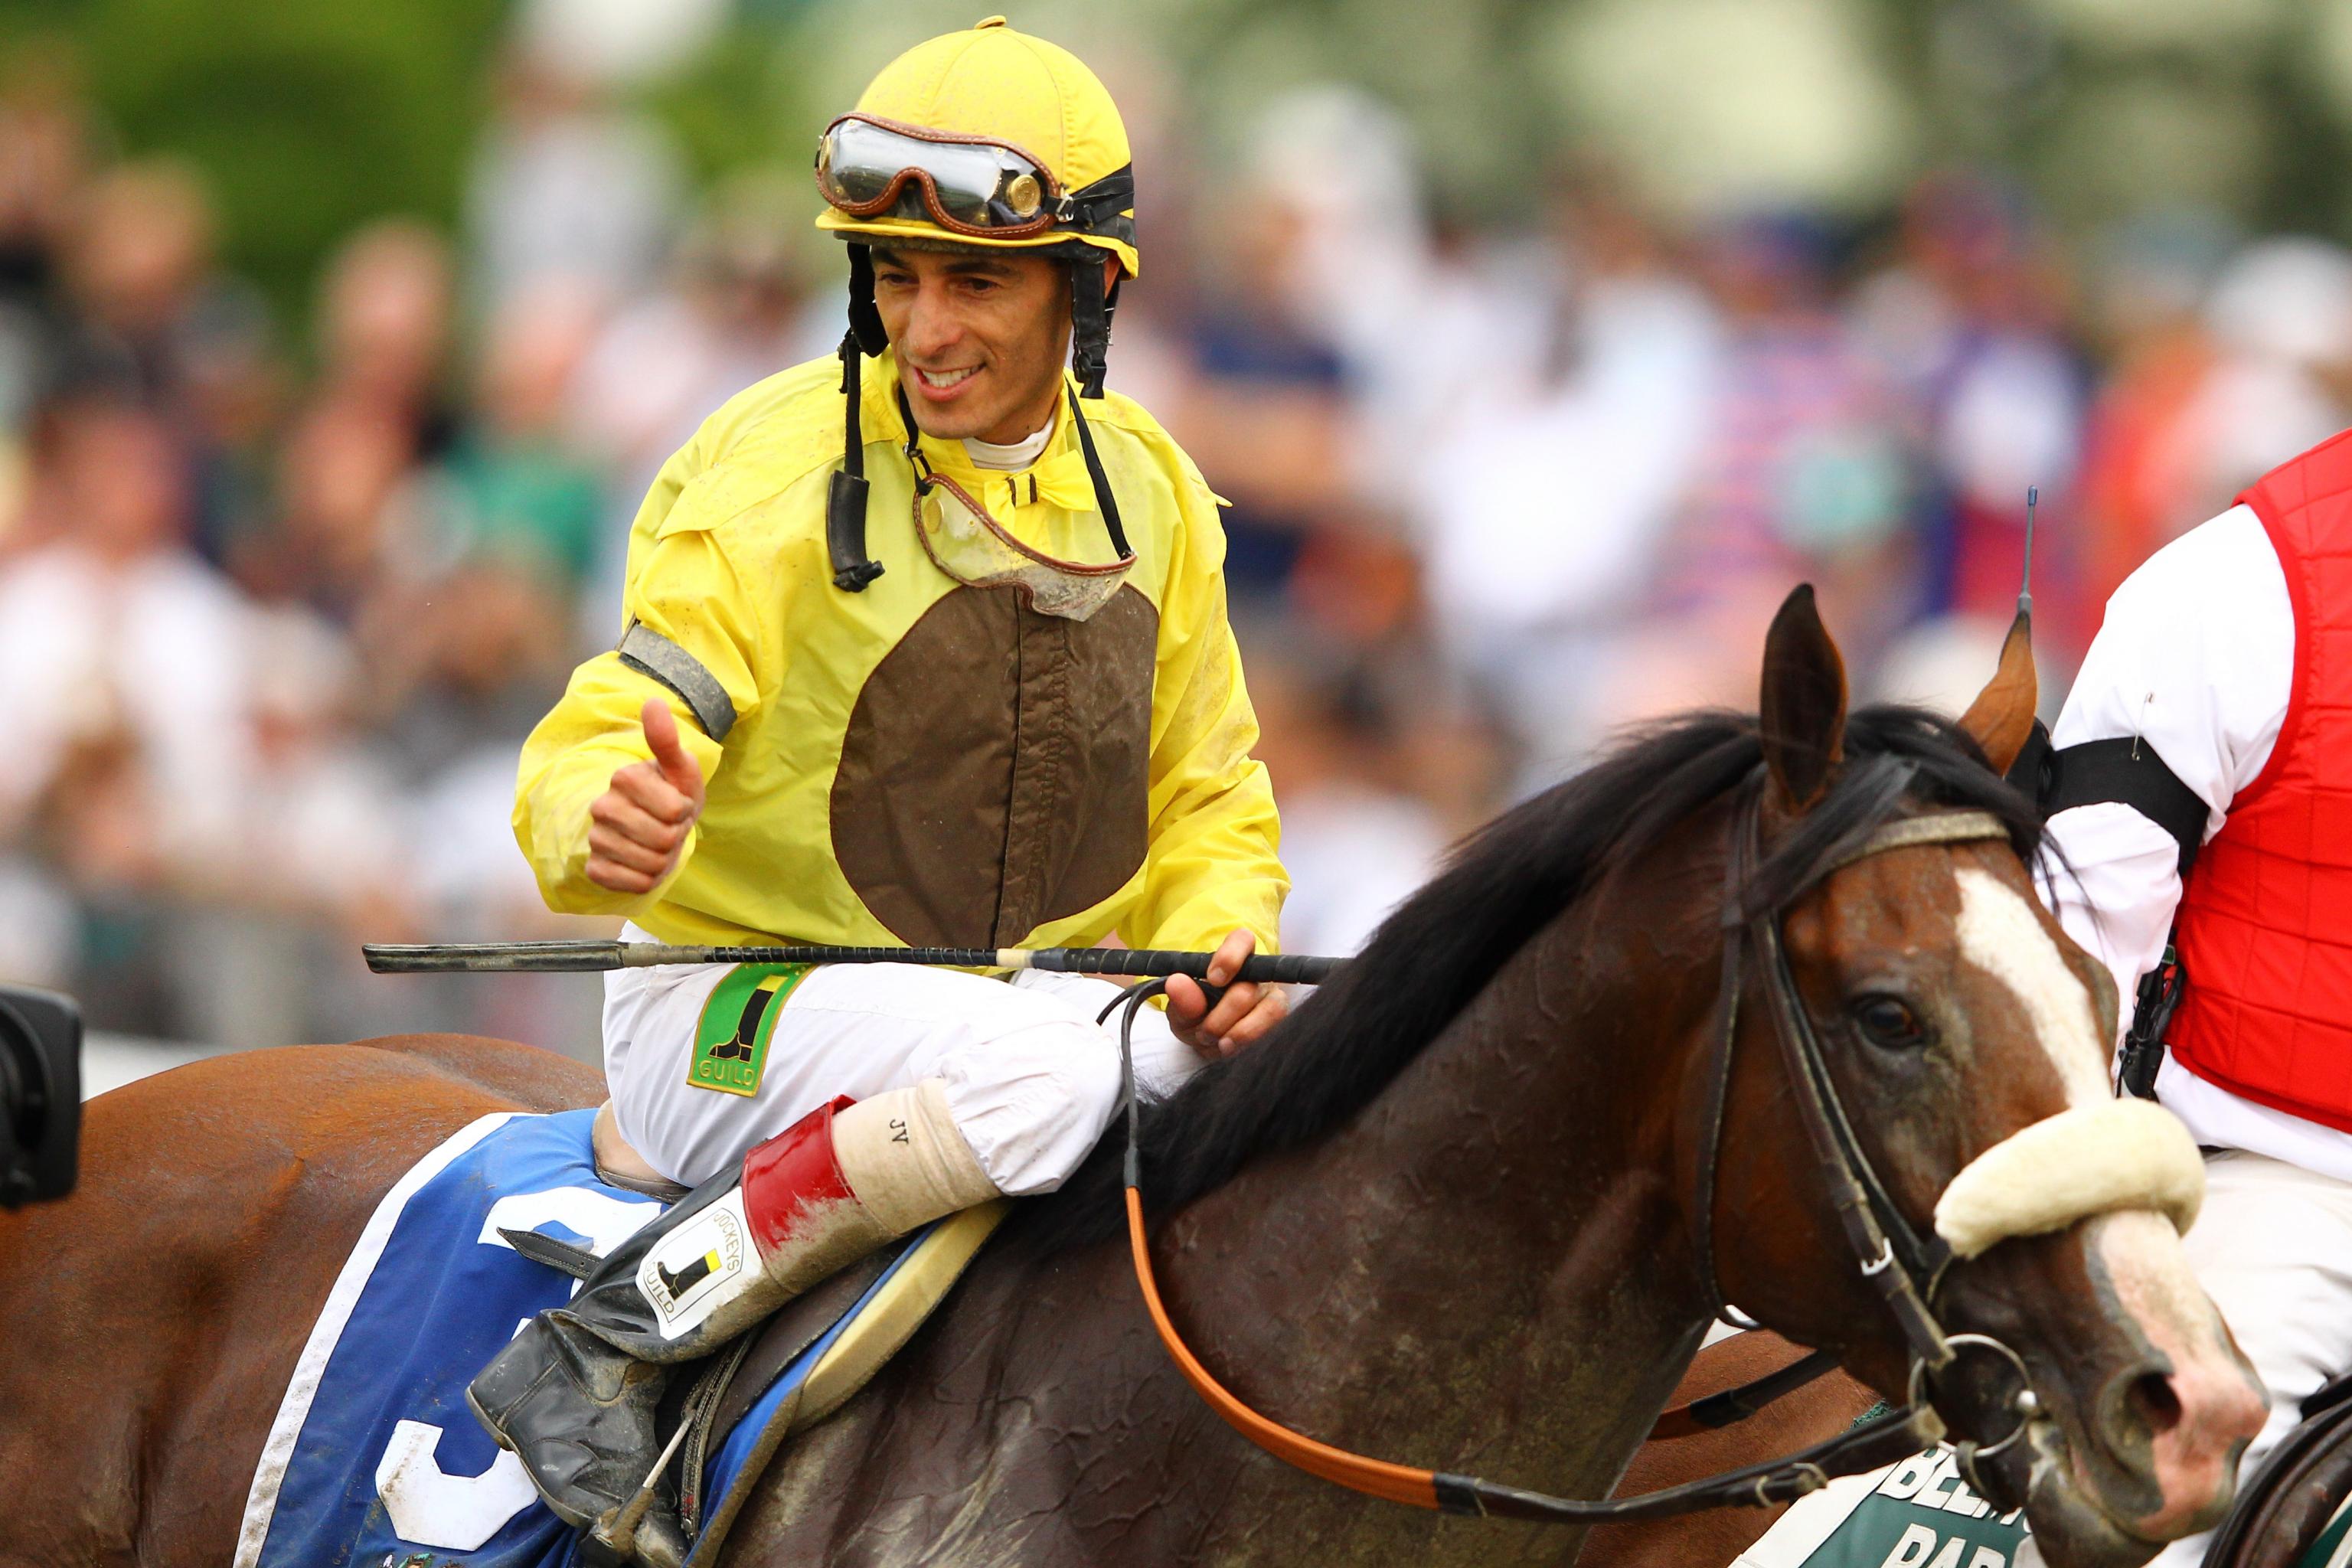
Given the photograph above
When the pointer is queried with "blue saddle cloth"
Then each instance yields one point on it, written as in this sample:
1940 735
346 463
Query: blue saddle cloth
374 1460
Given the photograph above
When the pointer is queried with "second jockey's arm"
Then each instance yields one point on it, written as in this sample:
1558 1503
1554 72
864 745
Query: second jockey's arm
2195 659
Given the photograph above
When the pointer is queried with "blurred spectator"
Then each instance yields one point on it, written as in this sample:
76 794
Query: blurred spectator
2141 481
2210 391
140 266
236 384
510 488
384 332
332 543
567 186
1803 472
127 664
735 309
1265 407
339 529
732 313
1362 266
1354 843
323 819
1967 325
44 150
1545 496
2282 312
1803 476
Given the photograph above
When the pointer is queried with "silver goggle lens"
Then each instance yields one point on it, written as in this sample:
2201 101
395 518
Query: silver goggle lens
980 186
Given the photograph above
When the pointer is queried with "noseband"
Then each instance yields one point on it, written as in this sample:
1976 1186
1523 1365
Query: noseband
1903 1266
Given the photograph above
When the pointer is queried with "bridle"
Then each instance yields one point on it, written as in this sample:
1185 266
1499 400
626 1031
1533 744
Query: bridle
1905 1267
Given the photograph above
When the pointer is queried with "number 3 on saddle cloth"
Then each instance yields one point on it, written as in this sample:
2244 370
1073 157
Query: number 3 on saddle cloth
375 1460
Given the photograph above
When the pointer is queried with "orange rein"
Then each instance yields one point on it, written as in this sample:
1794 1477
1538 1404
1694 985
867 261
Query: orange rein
1867 1447
1396 1483
1379 1478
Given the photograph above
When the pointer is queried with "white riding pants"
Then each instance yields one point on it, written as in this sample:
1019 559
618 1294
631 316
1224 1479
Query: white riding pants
1031 1079
2273 1248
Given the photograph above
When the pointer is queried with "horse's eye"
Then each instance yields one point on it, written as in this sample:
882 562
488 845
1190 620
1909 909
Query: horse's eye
1889 1021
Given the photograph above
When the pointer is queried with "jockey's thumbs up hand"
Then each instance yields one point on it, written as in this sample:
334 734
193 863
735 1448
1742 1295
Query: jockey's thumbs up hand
678 768
637 827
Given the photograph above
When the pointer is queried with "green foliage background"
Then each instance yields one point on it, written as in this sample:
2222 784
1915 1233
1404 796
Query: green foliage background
305 116
311 115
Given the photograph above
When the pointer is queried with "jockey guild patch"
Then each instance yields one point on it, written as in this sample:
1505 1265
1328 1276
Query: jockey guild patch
688 1271
730 1042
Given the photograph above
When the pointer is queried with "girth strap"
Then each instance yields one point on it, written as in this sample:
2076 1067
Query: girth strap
1732 1406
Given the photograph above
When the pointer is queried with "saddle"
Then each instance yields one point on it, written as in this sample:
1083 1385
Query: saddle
2296 1511
729 1415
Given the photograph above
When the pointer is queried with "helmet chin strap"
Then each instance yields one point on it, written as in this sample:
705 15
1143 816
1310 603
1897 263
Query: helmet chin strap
1091 303
845 499
865 315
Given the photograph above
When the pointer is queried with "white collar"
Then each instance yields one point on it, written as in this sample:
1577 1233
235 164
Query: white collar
1011 456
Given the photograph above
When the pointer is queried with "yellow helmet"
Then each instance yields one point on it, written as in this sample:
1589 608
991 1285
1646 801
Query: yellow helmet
988 138
985 137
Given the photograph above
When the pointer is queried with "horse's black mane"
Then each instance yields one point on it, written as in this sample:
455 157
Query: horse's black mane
1439 949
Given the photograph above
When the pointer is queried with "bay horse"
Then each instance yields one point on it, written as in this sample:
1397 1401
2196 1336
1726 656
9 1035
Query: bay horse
1448 1215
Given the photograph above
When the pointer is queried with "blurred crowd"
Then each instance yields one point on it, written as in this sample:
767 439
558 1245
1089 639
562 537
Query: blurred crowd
280 593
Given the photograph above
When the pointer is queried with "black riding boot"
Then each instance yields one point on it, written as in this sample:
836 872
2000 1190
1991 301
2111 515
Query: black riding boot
576 1394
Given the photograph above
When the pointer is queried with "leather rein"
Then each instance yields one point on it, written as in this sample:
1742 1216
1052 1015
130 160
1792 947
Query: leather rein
1905 1267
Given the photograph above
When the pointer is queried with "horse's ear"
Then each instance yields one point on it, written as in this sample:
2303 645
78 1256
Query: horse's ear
2001 717
1803 707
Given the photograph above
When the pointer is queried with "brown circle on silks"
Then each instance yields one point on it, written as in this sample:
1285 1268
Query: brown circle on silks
996 770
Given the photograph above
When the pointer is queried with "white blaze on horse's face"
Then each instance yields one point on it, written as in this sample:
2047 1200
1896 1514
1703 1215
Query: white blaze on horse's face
2096 1156
2001 934
2132 1172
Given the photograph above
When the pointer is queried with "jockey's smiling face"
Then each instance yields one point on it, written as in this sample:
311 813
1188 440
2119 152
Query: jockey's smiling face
980 338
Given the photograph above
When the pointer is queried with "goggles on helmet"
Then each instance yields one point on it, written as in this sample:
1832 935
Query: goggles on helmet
966 184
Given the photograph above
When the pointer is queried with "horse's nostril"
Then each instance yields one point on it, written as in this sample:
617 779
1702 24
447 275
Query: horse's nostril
2151 1399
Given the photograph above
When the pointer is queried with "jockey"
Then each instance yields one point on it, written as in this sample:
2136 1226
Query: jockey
2199 796
1019 721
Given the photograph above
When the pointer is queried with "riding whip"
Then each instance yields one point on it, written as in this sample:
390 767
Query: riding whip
592 956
